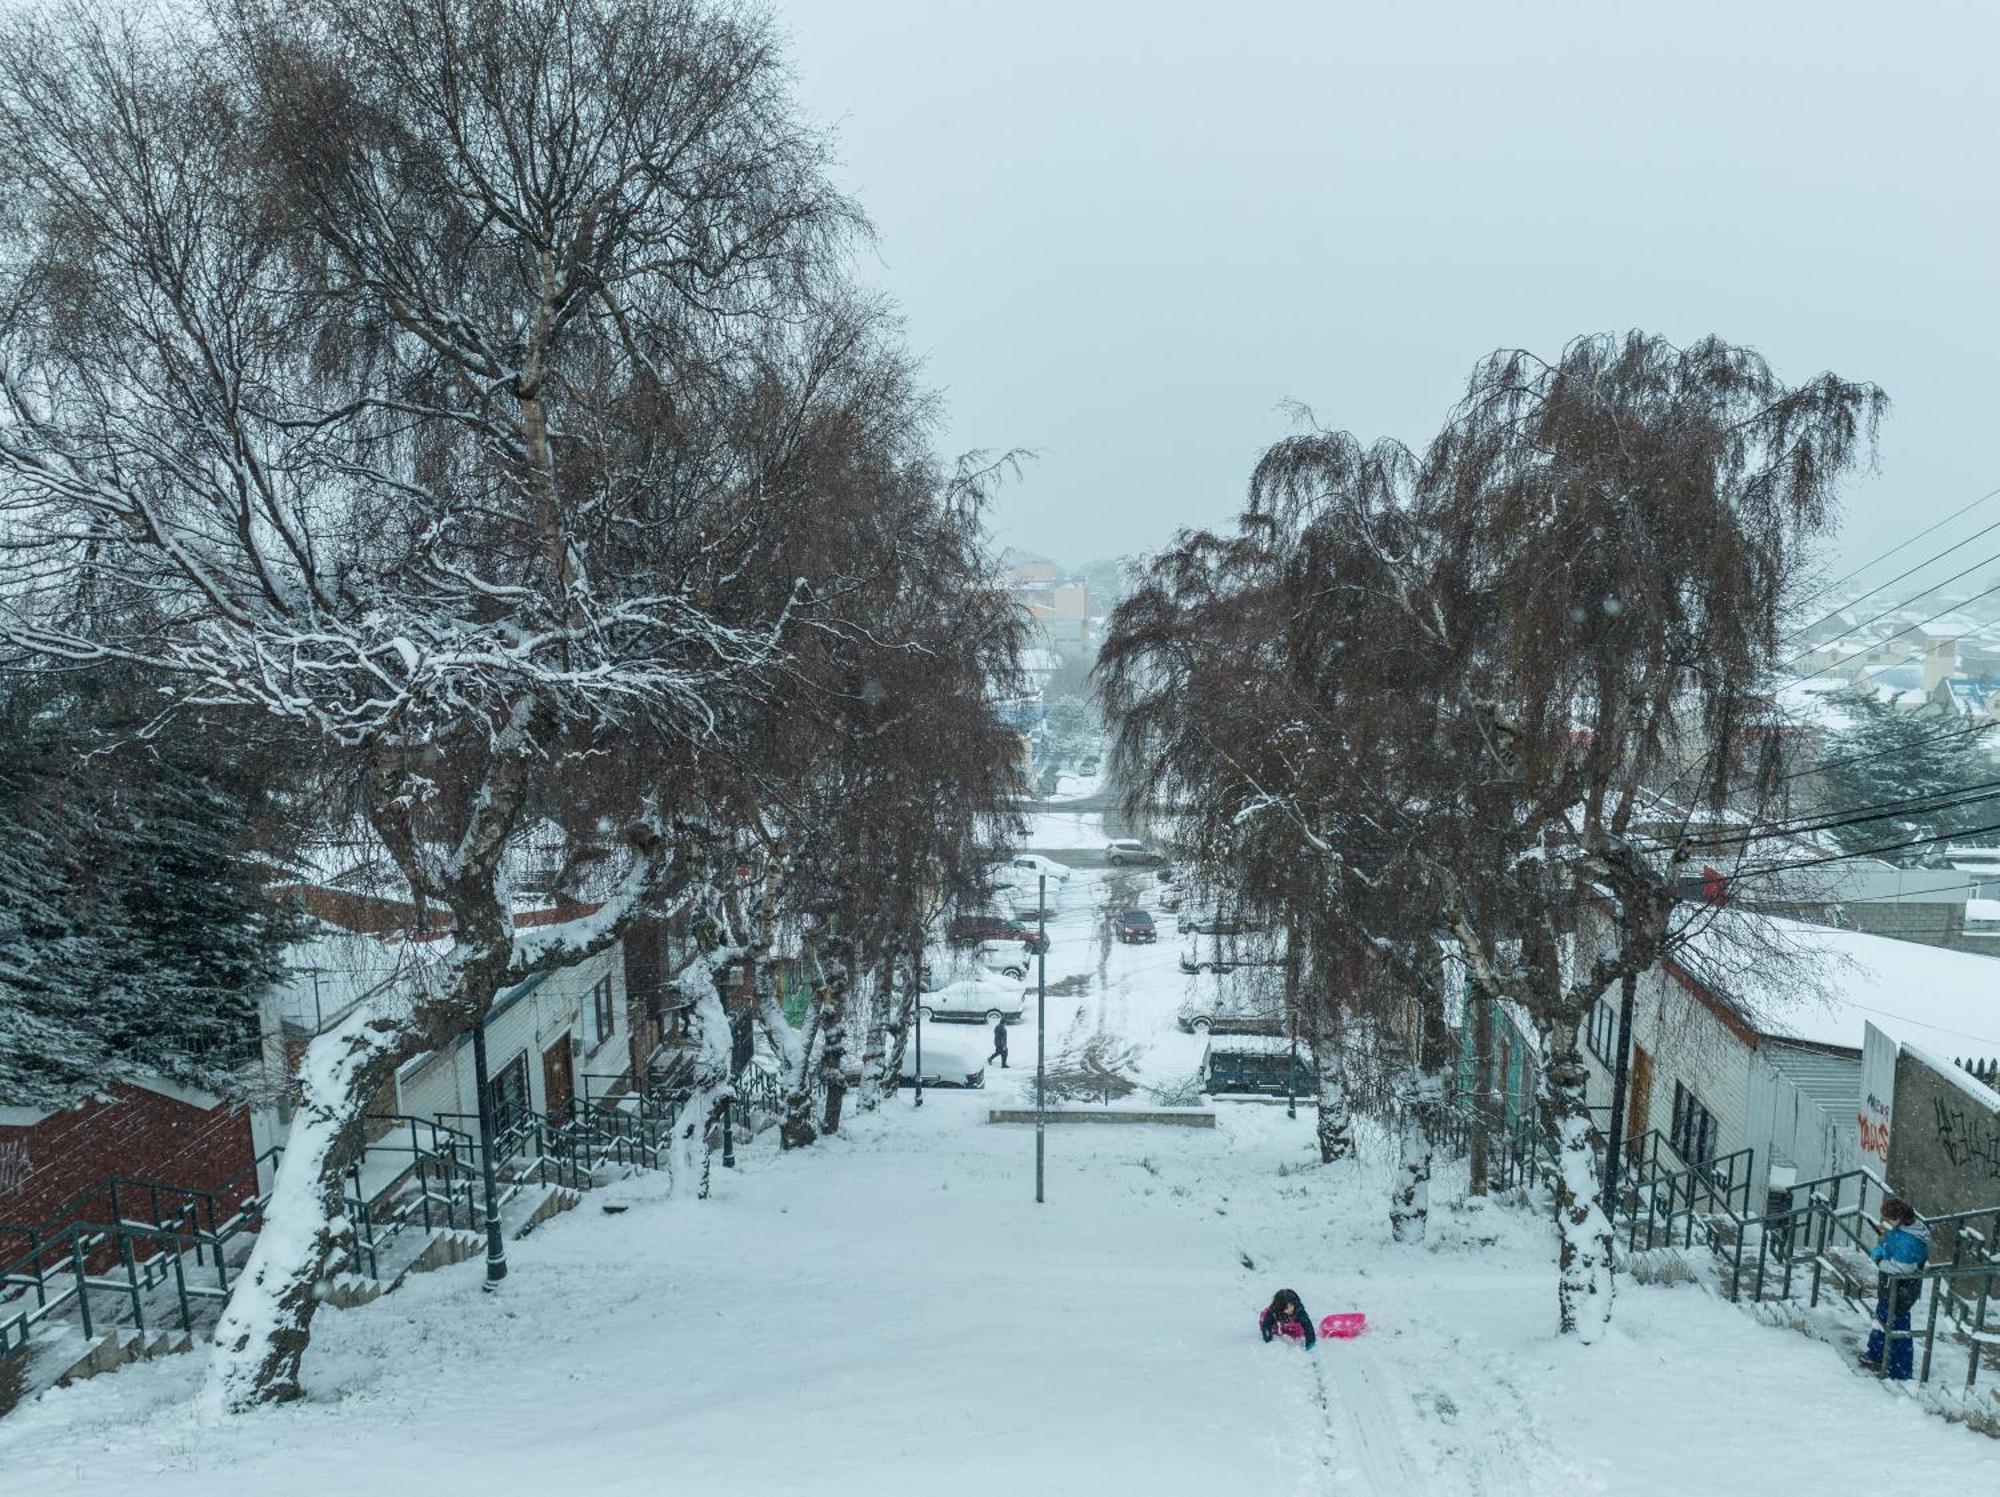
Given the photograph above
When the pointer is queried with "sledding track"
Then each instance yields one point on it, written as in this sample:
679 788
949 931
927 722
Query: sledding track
1363 1447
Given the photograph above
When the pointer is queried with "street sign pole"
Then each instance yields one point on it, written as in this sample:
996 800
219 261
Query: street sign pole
1041 1024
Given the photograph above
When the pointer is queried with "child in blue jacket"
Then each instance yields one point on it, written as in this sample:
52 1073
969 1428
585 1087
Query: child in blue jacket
1904 1248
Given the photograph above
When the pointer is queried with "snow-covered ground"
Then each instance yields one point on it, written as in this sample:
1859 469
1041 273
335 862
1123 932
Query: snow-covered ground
890 1312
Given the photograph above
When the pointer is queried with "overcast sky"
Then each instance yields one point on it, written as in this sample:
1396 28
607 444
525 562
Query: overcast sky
1124 233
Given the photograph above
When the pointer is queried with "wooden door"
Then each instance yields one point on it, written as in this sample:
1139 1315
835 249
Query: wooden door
558 1085
1639 1099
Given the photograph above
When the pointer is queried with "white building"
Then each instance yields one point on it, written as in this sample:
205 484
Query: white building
1751 1038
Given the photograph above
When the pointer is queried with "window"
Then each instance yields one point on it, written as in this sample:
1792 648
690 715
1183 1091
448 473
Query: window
601 1009
510 1094
1603 1035
1693 1135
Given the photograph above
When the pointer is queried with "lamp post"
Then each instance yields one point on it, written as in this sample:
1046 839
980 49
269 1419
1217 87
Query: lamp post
1041 1022
919 1007
496 1242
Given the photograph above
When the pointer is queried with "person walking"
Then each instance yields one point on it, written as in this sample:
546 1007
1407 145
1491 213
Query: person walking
999 1045
1905 1247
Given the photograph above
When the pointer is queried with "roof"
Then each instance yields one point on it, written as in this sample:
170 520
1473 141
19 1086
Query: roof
1822 986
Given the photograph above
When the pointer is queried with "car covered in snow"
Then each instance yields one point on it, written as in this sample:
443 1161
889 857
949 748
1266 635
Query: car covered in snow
1217 1014
1136 927
1008 958
988 998
1035 866
1129 850
944 1066
1227 951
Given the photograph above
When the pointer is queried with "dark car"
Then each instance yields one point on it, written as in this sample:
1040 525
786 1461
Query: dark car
1135 927
970 930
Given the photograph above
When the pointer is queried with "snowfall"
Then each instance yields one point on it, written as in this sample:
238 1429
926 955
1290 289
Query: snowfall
892 1312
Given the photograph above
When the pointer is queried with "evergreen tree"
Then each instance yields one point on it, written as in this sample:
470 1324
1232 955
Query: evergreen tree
133 941
1886 755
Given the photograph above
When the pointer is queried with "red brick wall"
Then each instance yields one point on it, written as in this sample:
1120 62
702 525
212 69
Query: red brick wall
139 1135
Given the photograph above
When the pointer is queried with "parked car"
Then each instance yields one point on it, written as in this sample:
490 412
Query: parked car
1215 1014
971 930
1136 928
1217 923
1218 951
1247 1065
944 1066
1035 865
1124 850
988 997
1169 898
1009 958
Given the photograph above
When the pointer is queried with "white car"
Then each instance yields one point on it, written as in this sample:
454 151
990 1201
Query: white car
1035 865
986 997
1130 850
944 1065
1008 958
1216 951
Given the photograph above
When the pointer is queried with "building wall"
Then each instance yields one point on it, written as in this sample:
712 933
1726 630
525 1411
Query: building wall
1944 1140
557 1009
1689 1044
168 1136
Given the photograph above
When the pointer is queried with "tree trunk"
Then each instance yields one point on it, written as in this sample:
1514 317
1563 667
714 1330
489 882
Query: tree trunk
1482 1091
902 1011
1584 1283
267 1324
836 998
1410 1203
692 1155
881 1001
1334 1123
797 1130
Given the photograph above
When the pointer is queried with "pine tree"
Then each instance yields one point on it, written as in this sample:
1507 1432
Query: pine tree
133 941
1886 755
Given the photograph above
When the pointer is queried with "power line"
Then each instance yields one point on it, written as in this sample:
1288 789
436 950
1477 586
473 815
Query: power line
1901 545
1861 852
1898 608
1901 748
1900 576
1856 655
1915 805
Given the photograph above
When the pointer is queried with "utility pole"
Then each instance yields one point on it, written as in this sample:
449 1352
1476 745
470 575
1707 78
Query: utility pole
1041 1024
1627 985
496 1241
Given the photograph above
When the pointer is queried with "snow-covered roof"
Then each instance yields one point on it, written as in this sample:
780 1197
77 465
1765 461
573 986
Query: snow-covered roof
331 971
1830 984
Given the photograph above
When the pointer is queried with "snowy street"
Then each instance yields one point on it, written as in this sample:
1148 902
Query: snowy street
890 1312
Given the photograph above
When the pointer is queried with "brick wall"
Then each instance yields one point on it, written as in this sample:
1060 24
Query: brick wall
137 1134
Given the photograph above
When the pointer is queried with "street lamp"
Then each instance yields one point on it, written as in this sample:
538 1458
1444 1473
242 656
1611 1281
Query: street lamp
1041 1023
919 1006
496 1242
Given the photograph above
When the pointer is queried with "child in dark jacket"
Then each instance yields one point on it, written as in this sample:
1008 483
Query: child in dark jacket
1284 1310
1905 1247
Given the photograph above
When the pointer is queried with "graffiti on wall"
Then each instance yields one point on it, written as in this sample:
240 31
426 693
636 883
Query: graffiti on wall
1972 1143
15 1165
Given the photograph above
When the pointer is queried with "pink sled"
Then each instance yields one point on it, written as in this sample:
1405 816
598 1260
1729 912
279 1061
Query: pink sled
1342 1327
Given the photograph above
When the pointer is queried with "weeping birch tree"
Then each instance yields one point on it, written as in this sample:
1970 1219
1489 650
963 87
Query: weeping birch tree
385 353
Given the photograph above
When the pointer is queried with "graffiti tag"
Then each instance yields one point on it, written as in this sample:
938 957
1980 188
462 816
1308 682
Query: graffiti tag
1974 1145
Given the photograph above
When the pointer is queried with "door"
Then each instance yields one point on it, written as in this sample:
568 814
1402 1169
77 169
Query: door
510 1095
1639 1087
558 1082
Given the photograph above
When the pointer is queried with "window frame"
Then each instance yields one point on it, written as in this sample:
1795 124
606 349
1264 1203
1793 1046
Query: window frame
603 1010
1603 1045
1694 1129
